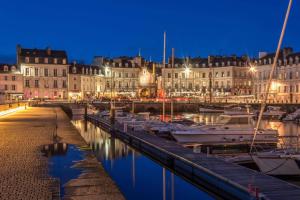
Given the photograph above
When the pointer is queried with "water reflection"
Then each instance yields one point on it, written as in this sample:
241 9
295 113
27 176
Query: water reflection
137 176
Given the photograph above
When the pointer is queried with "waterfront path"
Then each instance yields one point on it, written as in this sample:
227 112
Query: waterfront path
24 170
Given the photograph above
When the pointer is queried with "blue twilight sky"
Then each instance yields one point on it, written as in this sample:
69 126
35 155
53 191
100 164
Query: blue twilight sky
85 28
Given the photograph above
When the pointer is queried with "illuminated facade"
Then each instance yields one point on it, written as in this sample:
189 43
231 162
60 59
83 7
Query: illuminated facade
220 76
85 82
286 78
45 73
11 83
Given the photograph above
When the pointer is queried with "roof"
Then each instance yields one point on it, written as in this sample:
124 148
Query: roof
42 53
10 68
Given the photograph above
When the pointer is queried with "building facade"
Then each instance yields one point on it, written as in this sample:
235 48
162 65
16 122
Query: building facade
85 82
202 77
11 83
286 78
45 73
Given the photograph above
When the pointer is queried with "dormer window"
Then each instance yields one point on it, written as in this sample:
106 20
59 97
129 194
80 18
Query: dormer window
113 64
176 65
223 64
203 65
279 62
290 61
285 61
86 71
13 68
36 60
46 60
55 60
64 61
270 61
265 61
74 70
95 71
26 59
5 68
228 63
296 60
217 64
197 65
82 70
126 64
91 71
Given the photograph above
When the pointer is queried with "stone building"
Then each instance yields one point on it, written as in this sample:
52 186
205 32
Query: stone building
129 77
198 77
11 83
286 78
45 73
85 82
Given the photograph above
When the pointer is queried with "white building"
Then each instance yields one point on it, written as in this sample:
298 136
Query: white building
286 78
220 76
85 82
11 84
45 73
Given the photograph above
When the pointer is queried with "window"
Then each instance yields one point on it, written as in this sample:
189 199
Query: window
46 72
13 78
217 74
27 83
126 75
27 71
176 75
46 60
64 84
36 71
222 74
5 68
64 73
13 87
183 75
36 60
133 75
228 73
64 61
36 83
75 87
5 78
5 87
74 70
169 75
55 72
27 60
203 75
55 84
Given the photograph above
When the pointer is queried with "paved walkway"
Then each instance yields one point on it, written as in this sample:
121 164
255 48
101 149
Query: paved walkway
23 169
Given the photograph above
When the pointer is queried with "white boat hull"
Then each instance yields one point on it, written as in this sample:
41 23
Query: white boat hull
223 137
277 165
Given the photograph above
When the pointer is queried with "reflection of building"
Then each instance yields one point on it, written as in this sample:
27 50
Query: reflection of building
11 83
286 79
85 82
198 76
45 73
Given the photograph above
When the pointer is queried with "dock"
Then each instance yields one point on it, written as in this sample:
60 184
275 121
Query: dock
226 179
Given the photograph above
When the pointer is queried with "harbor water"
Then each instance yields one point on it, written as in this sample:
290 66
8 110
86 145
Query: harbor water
137 176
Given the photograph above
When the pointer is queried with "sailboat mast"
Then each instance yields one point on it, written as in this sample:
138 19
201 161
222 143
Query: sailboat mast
263 104
172 87
163 78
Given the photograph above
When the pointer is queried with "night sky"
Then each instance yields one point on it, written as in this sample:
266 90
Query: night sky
85 28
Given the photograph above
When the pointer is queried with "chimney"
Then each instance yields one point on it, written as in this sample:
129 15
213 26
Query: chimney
19 49
48 51
262 54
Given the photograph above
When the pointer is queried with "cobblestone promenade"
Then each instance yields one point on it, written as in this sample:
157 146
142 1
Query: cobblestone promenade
23 169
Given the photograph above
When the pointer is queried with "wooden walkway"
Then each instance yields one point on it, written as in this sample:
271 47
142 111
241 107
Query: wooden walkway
226 179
